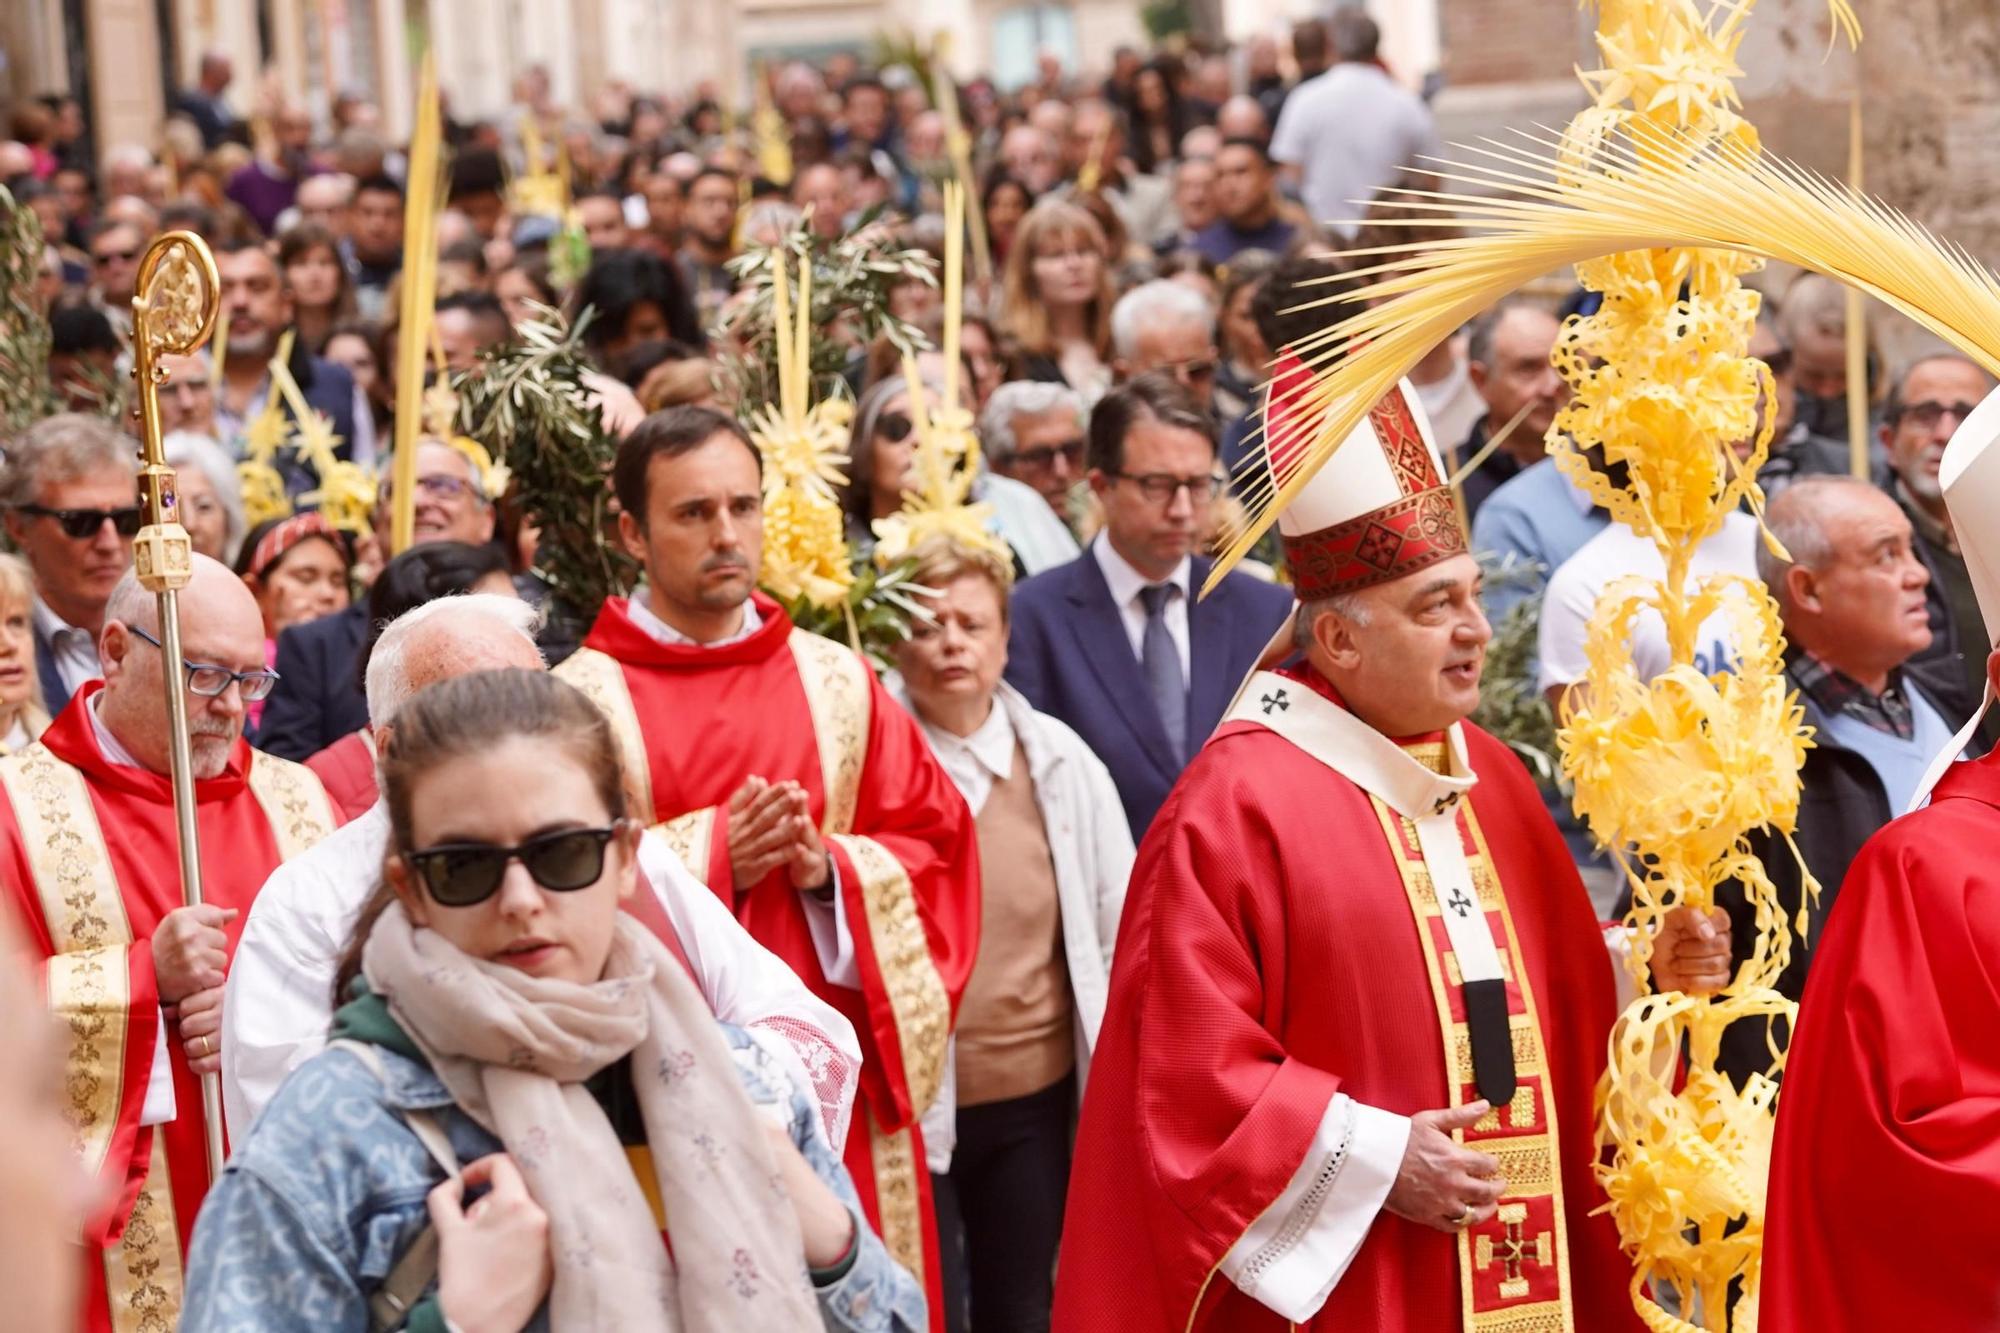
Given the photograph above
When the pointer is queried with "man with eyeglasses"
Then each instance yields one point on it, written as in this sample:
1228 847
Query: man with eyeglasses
87 857
319 698
1165 327
187 399
1927 402
1115 643
71 508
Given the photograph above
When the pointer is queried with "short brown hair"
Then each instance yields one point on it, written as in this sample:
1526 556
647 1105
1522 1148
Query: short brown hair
1154 396
668 433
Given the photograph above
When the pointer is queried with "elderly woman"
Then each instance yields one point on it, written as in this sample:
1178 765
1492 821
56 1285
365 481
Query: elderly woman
529 1117
1054 855
22 716
881 468
210 493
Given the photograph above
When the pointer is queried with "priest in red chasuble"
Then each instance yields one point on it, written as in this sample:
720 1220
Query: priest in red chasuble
89 854
1360 999
1885 1173
794 787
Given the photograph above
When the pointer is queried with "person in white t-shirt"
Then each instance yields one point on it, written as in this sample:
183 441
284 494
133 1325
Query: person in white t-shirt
1346 133
1616 553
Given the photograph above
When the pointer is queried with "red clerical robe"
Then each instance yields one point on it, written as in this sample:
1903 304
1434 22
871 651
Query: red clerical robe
695 722
1885 1176
90 857
1270 957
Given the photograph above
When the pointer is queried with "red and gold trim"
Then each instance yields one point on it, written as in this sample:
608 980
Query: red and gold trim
1419 528
1514 1272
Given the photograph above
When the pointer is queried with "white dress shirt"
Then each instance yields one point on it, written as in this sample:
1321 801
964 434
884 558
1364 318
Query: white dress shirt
974 763
278 1001
74 650
640 609
1126 585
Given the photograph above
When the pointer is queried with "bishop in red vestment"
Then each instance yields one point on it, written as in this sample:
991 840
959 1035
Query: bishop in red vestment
791 783
1359 999
89 855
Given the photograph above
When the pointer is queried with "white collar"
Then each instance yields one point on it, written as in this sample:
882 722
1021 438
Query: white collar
1353 749
114 751
1127 583
49 623
640 609
991 743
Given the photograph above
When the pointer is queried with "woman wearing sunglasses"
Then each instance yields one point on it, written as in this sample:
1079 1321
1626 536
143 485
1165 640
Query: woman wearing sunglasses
629 1162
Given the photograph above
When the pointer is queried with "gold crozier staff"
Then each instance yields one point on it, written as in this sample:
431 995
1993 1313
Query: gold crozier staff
173 313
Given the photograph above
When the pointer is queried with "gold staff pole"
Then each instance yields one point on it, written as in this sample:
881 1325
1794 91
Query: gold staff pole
173 312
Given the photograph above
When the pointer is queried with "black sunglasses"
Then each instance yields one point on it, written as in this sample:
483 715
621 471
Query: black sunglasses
461 874
895 427
82 523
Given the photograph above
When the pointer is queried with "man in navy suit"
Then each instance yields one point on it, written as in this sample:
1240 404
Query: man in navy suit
1116 642
71 500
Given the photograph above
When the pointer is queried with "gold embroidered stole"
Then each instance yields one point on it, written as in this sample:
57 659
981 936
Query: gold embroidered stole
1514 1274
839 698
294 802
89 990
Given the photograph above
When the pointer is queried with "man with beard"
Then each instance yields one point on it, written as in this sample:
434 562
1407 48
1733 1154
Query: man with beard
260 310
709 239
89 863
1359 999
792 786
1508 358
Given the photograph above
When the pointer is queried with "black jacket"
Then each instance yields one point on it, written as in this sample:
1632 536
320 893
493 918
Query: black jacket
1841 805
318 698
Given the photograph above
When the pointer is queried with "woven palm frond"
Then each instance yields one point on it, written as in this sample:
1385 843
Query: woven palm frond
1647 189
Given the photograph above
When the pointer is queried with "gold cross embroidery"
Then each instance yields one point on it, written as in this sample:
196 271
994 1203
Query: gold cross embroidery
1514 1250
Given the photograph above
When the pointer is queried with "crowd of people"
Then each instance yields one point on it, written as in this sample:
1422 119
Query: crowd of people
520 954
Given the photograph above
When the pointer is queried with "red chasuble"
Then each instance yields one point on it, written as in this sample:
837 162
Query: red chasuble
1269 956
696 722
90 857
1885 1176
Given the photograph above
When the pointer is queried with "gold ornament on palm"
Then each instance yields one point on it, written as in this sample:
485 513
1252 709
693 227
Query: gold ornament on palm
804 450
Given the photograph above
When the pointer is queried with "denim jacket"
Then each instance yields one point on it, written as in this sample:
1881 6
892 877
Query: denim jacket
329 1191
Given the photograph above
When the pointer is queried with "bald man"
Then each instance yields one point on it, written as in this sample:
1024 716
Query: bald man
280 998
89 865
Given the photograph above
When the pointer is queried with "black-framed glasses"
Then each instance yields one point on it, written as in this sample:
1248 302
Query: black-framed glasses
462 874
211 681
1044 456
1927 414
1779 361
81 524
1161 488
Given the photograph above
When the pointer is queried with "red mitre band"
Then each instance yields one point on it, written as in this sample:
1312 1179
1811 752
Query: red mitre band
1418 529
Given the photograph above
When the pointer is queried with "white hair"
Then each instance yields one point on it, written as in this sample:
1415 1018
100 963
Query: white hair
1152 305
1024 398
388 681
187 448
1347 605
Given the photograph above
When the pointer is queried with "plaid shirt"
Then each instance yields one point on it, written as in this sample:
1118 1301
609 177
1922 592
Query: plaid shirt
1835 693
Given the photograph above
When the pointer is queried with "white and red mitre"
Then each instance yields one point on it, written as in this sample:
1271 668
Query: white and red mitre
1377 510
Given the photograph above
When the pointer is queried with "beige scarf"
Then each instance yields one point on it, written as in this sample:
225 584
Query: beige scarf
514 1052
